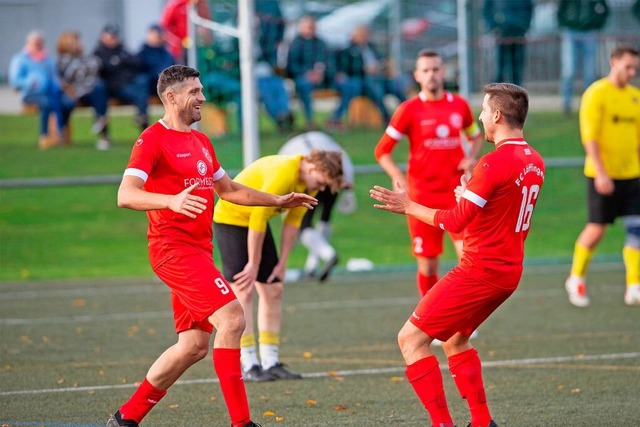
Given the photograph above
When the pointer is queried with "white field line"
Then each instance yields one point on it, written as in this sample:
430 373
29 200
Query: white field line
390 370
320 305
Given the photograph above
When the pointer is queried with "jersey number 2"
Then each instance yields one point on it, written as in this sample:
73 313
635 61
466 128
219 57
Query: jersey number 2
529 196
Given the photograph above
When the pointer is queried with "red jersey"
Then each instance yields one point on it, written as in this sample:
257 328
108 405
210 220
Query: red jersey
495 209
435 147
170 161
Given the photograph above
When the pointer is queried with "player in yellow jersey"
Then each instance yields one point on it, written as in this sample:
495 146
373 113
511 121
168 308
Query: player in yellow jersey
248 251
610 132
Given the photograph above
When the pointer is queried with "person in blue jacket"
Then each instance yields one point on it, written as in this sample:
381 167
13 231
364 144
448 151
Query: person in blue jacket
154 56
33 73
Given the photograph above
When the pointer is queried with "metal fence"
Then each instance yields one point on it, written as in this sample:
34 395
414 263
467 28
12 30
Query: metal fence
400 28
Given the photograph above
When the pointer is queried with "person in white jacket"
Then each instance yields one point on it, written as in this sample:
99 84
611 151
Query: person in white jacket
322 256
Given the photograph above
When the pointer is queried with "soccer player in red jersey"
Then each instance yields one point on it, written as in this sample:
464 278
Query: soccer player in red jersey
172 174
494 208
433 121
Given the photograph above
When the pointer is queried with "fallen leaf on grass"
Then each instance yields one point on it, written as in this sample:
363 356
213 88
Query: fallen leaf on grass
269 414
340 408
311 402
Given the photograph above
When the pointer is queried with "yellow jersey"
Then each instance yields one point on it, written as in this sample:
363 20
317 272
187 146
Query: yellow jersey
272 174
610 116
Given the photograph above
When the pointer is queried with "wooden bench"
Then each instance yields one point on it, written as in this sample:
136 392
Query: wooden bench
214 119
364 113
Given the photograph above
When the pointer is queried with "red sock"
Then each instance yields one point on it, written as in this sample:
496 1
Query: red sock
425 282
426 379
141 402
226 362
467 373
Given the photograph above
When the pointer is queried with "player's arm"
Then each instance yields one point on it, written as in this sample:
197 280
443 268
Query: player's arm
287 240
131 195
474 136
249 274
454 220
398 201
240 194
602 182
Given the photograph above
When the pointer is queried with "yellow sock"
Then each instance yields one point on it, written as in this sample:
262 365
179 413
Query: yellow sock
631 257
581 259
268 337
269 348
247 340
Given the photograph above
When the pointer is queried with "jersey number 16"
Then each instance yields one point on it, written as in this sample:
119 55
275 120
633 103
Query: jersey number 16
529 197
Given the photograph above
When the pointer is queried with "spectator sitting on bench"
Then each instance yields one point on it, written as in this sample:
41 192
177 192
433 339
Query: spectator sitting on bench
122 74
154 56
307 64
33 72
80 82
357 68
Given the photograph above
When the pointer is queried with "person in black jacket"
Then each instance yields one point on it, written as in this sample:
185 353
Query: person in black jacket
308 64
509 20
121 72
357 69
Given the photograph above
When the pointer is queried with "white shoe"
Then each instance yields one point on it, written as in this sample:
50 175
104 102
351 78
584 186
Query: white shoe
577 291
438 343
103 144
632 295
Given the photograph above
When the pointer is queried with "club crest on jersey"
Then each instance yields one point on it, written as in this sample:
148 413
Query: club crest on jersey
207 155
202 167
443 131
455 119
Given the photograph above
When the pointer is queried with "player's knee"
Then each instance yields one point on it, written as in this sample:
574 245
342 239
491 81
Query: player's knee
406 340
632 228
233 325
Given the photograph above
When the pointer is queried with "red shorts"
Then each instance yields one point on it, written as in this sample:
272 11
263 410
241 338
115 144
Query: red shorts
197 290
426 240
462 300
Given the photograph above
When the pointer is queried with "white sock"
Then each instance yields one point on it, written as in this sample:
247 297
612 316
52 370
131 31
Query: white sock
269 355
311 264
324 228
248 357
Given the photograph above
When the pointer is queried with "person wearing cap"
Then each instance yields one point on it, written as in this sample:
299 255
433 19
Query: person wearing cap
122 73
154 56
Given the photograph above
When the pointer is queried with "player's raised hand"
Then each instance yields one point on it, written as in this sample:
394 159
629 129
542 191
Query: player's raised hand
460 188
188 204
393 201
294 200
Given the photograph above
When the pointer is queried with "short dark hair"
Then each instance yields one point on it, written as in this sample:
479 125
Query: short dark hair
512 101
428 53
174 74
620 51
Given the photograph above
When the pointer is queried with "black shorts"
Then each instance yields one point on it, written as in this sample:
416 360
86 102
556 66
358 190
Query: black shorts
232 243
326 200
624 201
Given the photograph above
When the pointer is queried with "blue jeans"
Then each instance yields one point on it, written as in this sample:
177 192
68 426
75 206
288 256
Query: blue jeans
50 102
97 99
356 86
274 95
576 43
135 92
304 89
